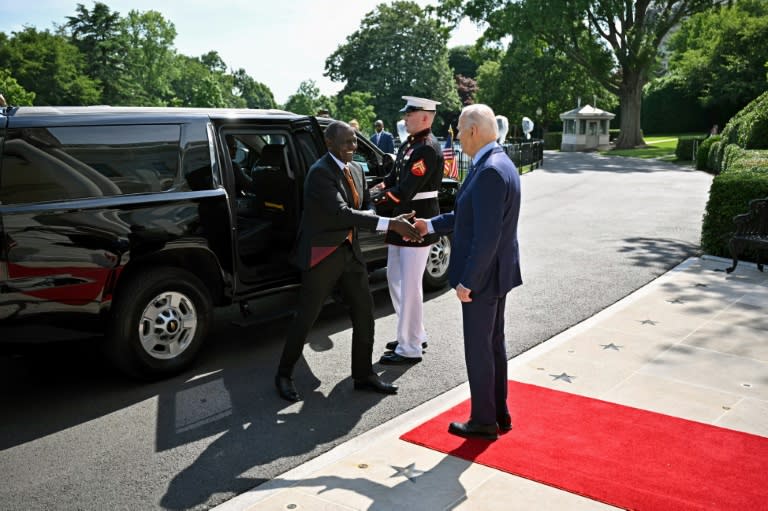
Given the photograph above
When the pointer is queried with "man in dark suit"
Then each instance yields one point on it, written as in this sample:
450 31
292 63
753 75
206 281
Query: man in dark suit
383 139
337 203
484 267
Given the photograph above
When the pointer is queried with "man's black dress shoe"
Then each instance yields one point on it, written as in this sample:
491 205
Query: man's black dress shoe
473 430
375 384
392 358
504 422
286 389
393 344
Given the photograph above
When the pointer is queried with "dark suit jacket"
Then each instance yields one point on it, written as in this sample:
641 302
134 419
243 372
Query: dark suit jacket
386 143
485 255
329 212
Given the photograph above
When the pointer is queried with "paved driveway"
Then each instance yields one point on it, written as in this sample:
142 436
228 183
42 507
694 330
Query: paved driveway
75 435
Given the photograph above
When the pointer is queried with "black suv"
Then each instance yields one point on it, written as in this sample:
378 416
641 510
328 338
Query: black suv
134 223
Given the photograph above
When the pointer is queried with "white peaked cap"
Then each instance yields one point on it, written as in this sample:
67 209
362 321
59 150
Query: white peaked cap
414 103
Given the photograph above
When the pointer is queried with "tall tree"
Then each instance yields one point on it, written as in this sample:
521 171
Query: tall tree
399 50
151 56
306 100
721 56
461 61
356 105
467 89
96 33
533 76
49 65
14 93
255 94
195 85
616 43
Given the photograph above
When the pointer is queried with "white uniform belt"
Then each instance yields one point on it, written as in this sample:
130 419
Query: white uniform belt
425 195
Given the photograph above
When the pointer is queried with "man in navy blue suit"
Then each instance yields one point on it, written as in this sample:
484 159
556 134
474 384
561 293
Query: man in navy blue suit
484 266
383 139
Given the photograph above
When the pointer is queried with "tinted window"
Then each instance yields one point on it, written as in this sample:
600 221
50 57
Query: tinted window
48 164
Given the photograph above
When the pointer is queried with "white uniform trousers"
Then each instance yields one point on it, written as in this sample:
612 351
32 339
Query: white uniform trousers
405 269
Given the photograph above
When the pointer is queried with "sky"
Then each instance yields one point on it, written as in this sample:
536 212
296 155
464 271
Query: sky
278 43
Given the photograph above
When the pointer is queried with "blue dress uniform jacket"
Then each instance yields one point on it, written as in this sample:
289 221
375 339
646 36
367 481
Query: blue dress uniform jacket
418 172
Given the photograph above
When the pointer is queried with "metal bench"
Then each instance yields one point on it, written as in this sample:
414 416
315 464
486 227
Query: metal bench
751 233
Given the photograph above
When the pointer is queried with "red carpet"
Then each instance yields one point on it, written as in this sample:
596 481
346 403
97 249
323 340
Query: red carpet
626 457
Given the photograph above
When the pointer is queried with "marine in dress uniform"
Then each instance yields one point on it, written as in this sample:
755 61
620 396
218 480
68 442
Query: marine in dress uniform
412 185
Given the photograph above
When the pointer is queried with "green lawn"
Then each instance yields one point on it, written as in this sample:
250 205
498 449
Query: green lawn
661 147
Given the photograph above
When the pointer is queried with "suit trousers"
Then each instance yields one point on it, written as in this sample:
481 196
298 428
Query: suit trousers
486 357
342 268
405 269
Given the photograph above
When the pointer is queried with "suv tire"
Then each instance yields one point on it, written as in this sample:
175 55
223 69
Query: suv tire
158 323
436 272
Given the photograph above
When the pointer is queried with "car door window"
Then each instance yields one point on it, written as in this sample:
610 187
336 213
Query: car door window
266 199
74 162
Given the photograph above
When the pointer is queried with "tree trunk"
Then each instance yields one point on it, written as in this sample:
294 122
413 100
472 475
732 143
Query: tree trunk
631 98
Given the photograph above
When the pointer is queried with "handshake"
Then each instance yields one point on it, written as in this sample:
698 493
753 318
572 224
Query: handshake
411 230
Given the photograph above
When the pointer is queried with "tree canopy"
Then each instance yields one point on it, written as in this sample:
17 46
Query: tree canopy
399 50
721 56
98 56
616 43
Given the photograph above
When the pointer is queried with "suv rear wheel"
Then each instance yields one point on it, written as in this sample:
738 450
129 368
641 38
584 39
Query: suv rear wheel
158 323
436 272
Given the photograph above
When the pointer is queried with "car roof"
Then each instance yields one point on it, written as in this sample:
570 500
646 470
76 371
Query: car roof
144 114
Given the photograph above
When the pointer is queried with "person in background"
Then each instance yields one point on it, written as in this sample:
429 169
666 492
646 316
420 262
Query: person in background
355 124
383 139
484 267
412 184
336 204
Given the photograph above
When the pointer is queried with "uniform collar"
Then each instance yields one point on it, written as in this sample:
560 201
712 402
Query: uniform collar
420 135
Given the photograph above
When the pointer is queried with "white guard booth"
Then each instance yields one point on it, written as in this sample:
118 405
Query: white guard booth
586 128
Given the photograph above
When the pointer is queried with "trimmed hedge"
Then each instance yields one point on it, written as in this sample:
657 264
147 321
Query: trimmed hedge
553 140
702 154
749 127
729 196
714 150
731 153
754 160
743 174
685 145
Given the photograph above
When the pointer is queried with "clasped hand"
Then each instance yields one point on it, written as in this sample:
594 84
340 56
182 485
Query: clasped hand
401 225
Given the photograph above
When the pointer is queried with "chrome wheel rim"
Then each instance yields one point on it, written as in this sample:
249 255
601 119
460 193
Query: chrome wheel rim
439 257
167 325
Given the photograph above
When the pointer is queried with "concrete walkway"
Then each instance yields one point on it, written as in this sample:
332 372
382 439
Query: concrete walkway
691 344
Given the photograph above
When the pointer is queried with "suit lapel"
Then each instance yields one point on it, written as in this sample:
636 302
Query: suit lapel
338 174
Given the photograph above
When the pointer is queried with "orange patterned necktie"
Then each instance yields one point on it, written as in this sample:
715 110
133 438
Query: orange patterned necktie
355 195
351 183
